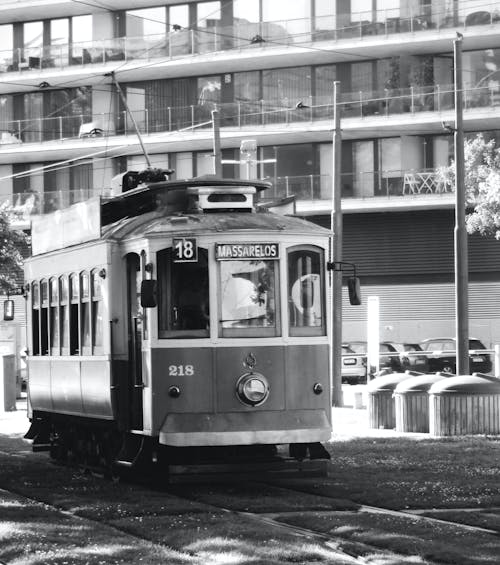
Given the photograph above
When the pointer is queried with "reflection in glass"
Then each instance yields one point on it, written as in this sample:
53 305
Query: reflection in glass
248 294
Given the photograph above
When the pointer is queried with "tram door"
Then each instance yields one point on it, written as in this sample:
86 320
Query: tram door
135 383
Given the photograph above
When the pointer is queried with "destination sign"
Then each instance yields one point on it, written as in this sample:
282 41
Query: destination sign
226 251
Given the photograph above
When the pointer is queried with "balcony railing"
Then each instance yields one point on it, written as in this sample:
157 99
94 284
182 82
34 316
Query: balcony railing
366 185
246 35
239 115
304 187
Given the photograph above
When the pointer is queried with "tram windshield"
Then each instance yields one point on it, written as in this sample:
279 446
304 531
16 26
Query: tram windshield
248 298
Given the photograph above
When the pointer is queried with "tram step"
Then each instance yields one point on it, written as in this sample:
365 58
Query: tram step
41 447
131 451
257 471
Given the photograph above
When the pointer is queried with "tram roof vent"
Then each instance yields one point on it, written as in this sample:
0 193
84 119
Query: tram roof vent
222 198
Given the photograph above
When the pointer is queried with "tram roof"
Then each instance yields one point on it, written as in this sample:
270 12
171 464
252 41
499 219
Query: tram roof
156 223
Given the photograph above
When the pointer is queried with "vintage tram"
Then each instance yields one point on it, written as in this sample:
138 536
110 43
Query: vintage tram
178 322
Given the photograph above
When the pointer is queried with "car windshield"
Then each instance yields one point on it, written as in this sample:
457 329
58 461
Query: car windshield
346 350
475 344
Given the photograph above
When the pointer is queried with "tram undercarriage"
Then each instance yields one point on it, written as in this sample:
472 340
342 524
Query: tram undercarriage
98 446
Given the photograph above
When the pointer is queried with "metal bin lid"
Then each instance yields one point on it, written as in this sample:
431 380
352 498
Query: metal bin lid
387 382
422 383
467 384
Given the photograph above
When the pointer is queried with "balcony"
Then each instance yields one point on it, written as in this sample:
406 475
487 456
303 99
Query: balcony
367 190
247 35
367 110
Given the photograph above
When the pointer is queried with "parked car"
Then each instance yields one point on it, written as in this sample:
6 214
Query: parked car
441 353
353 366
386 360
409 357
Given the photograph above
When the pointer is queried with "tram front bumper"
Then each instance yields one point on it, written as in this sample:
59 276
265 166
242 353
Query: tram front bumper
245 428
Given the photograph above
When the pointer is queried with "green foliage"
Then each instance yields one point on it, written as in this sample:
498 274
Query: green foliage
11 261
482 185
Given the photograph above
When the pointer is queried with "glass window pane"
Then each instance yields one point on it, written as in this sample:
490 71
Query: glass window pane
208 14
85 285
248 294
74 287
246 10
85 329
286 87
97 323
54 291
63 288
179 15
96 285
54 328
149 21
45 292
81 27
33 34
305 292
183 296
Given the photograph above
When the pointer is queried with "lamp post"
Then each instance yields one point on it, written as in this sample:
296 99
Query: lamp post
460 233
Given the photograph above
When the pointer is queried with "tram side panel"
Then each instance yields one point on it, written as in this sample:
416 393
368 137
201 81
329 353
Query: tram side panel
65 382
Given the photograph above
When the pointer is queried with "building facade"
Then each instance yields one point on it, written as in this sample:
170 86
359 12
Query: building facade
65 131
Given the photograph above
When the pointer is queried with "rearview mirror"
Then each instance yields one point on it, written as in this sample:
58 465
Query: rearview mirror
148 293
354 289
8 310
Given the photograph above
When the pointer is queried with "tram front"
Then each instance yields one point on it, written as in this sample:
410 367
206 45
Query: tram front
238 338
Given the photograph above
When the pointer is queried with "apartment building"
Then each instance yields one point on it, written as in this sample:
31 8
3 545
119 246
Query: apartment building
268 67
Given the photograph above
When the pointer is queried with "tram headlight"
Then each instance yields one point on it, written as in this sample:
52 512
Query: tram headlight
252 389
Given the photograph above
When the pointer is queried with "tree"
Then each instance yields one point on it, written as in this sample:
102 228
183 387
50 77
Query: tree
482 185
11 243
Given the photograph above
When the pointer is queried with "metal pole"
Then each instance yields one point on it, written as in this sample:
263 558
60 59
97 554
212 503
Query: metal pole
216 144
336 227
124 100
461 256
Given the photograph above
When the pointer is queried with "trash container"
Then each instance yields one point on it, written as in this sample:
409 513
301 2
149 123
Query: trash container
7 383
467 404
381 402
411 402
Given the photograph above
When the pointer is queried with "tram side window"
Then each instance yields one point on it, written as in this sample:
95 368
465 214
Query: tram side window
183 296
85 313
248 298
64 314
97 313
54 316
306 309
74 323
44 322
35 317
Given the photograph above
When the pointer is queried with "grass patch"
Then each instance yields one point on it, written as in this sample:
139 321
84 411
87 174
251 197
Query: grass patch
404 473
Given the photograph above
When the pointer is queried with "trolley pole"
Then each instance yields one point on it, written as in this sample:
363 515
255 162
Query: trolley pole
460 234
216 143
336 252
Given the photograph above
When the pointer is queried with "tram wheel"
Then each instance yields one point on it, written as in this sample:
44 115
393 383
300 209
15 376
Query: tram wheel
298 451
